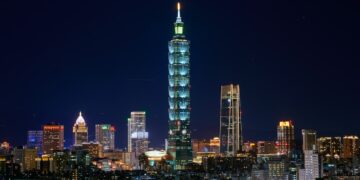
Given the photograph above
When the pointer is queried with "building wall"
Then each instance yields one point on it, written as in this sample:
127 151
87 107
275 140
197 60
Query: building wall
137 134
179 140
53 138
230 120
285 137
105 135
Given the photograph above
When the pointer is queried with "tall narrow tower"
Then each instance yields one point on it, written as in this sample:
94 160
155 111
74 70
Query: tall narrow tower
179 141
230 120
80 131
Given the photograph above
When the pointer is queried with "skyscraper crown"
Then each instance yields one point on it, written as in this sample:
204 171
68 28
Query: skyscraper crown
80 119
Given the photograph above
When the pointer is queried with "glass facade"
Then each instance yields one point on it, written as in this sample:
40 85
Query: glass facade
35 140
285 137
137 135
230 120
105 135
53 138
179 141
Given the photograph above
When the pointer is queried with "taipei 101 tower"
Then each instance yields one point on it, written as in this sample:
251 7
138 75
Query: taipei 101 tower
179 140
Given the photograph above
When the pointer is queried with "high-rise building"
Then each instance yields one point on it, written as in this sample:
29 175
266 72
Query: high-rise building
350 146
179 140
30 154
266 147
231 140
285 137
105 135
53 138
311 159
25 157
329 147
137 135
80 131
34 140
309 139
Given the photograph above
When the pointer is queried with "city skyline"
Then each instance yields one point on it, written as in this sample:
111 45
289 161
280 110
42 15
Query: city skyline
45 88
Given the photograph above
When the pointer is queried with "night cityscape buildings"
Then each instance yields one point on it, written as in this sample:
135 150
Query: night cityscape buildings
230 120
138 137
223 153
53 138
80 131
285 137
35 139
105 135
309 139
179 140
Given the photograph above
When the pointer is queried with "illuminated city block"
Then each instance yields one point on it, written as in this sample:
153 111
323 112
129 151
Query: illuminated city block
179 141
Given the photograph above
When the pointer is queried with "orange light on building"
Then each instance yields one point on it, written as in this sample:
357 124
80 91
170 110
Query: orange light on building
285 123
53 128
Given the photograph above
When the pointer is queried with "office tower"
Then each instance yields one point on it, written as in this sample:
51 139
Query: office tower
215 145
18 156
105 135
350 146
329 147
230 120
53 138
30 154
285 137
309 139
179 140
311 159
80 131
266 147
137 134
25 157
35 140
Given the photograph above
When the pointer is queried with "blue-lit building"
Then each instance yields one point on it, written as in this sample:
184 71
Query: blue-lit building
34 140
179 141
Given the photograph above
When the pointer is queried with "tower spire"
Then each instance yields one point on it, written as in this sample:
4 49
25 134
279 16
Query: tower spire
178 19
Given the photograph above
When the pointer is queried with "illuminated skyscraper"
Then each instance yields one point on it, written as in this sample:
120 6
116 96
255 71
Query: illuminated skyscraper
309 139
350 146
311 164
179 141
105 135
137 134
285 137
80 131
35 139
329 147
230 120
53 138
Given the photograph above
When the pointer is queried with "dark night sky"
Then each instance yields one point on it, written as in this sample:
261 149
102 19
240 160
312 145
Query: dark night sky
293 60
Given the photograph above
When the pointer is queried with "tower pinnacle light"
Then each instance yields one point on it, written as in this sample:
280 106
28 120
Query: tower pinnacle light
178 12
